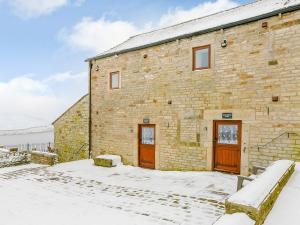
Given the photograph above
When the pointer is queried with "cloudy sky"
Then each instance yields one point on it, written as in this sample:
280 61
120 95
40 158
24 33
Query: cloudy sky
43 45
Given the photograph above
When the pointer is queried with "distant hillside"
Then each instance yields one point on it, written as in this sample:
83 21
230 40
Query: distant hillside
35 135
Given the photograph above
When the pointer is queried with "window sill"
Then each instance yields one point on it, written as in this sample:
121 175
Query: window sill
200 69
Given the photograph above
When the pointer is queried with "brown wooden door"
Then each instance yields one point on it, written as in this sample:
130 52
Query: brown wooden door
147 146
227 146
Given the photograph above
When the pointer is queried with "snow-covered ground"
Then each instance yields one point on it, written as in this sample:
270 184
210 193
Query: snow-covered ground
286 209
80 193
235 219
3 151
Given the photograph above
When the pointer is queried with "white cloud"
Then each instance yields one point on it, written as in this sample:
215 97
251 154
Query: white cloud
24 84
180 15
26 101
96 36
79 2
35 8
61 77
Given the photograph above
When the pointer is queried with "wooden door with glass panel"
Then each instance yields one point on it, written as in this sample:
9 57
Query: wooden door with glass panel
227 146
147 146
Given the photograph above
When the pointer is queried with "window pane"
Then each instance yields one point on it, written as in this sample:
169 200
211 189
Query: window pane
228 134
115 80
201 58
147 136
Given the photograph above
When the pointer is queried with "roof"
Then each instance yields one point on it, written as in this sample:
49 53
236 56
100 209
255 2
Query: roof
71 107
236 16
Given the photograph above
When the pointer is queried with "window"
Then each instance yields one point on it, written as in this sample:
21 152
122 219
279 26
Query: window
148 136
201 57
228 134
115 80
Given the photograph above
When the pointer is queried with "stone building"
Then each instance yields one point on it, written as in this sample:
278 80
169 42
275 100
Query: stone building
71 132
220 92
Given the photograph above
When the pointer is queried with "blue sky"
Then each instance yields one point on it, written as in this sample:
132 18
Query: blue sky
44 43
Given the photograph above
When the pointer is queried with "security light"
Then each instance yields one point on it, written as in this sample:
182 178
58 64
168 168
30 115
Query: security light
224 43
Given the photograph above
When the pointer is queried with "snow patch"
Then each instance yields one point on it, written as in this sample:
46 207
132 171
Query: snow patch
235 219
79 193
4 151
19 168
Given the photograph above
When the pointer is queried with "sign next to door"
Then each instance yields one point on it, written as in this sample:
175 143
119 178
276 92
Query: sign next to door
226 115
146 120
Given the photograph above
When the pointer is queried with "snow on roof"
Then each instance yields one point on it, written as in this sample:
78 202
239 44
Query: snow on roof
246 13
27 131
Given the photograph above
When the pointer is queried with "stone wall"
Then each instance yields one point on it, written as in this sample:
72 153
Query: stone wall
240 202
257 64
44 158
71 132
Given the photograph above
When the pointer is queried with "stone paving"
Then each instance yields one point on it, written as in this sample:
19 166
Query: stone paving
160 207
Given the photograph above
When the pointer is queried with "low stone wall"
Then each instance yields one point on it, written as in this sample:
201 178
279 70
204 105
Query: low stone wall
44 158
108 160
259 210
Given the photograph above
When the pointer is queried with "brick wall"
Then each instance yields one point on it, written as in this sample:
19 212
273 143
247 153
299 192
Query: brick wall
258 63
71 132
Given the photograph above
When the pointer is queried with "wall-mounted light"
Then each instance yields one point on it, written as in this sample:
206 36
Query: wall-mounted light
264 25
97 68
224 43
